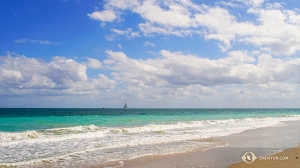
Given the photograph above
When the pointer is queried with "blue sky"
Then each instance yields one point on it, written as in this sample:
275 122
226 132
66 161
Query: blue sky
150 53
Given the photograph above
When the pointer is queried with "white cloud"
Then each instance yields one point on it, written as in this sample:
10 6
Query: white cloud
273 33
20 75
129 33
93 63
252 3
124 4
35 41
147 43
192 92
150 29
275 29
153 53
103 82
110 37
175 69
176 15
168 78
276 33
257 2
122 32
135 34
228 3
173 76
282 86
120 45
104 16
274 5
219 23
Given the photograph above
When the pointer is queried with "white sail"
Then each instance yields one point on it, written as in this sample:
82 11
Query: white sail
125 106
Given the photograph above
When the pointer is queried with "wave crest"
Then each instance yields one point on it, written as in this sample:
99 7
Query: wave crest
92 131
8 136
79 128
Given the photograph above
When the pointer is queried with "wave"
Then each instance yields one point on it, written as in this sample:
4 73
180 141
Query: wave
8 136
79 128
92 131
101 144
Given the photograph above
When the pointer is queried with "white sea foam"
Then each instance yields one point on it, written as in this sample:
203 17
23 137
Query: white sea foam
92 131
8 136
80 128
117 143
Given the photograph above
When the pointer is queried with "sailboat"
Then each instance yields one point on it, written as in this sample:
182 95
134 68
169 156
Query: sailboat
125 106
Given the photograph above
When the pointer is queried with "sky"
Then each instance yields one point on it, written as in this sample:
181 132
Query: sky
150 53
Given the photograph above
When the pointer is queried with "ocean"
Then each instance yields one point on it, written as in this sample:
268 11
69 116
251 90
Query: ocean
53 137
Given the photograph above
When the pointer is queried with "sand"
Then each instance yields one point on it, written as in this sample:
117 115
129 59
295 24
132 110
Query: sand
289 158
262 142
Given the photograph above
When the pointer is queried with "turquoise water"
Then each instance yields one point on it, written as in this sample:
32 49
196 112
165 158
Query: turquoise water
14 120
87 137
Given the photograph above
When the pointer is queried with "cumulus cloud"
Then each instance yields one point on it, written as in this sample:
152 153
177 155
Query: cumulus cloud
176 69
93 63
241 75
274 29
274 33
282 86
173 76
22 75
104 16
177 14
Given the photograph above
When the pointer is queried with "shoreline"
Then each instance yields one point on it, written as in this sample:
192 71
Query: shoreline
266 141
216 152
155 158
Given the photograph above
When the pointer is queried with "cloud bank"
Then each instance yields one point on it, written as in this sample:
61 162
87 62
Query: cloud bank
173 76
20 75
176 69
274 29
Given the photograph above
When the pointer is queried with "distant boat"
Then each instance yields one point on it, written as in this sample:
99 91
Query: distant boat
125 106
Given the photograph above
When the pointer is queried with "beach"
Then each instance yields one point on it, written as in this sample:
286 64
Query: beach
288 158
215 138
149 83
276 146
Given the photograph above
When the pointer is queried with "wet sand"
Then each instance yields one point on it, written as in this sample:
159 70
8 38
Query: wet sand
289 158
262 142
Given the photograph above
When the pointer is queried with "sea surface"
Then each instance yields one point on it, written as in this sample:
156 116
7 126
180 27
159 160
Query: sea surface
75 137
